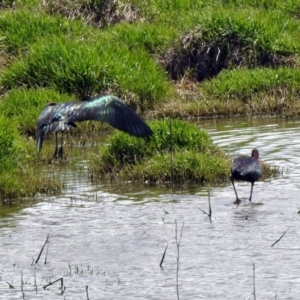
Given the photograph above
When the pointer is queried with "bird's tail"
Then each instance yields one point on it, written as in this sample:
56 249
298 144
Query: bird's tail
40 138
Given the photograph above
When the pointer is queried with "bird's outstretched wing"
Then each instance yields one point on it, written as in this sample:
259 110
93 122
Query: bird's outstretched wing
106 108
111 110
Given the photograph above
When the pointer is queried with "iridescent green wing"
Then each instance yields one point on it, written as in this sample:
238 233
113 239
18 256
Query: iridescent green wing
110 109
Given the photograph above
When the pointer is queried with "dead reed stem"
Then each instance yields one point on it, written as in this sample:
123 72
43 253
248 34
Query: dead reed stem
254 293
36 290
163 257
45 262
22 283
279 238
209 214
61 282
42 249
87 292
178 239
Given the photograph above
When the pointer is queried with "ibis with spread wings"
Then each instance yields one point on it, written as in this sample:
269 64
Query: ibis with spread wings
60 117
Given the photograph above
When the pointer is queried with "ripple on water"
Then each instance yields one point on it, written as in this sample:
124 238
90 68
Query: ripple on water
111 239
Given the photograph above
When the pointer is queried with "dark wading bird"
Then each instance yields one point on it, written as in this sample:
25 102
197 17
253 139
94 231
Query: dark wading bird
106 108
246 168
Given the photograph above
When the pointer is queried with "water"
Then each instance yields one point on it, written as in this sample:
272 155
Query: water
108 241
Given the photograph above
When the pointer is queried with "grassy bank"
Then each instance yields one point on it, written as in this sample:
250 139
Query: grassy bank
164 58
142 51
177 152
18 176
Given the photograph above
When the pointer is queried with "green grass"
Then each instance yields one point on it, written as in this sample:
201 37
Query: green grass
21 28
121 57
152 39
9 146
18 184
18 177
63 64
289 7
97 13
177 58
178 152
226 39
184 167
245 83
266 31
195 157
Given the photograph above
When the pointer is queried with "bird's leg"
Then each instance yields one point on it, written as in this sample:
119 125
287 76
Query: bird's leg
56 146
252 184
60 153
238 201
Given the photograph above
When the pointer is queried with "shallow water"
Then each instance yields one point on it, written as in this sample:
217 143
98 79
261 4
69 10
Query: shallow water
112 238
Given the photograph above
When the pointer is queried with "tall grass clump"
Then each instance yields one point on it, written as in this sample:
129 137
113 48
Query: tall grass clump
183 167
99 13
138 73
177 152
68 65
9 148
13 155
18 176
195 157
227 39
20 28
20 4
246 83
291 7
170 11
145 36
6 4
84 68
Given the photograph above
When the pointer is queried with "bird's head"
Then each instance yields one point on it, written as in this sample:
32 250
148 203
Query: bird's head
51 104
255 153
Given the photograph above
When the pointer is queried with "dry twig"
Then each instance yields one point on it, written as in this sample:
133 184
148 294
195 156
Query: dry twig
279 238
178 246
163 257
47 239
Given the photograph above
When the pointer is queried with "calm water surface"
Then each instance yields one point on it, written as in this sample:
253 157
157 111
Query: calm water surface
111 239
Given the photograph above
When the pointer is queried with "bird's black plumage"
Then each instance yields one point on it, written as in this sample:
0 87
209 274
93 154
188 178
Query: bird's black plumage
106 108
246 168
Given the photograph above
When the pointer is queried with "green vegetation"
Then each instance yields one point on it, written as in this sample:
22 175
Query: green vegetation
178 58
226 41
63 64
9 148
244 84
17 179
177 151
139 42
21 28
